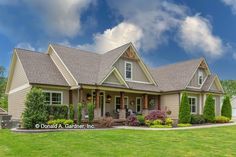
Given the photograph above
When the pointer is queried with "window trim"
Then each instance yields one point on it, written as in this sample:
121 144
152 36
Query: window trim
119 97
131 64
193 97
200 74
137 104
57 92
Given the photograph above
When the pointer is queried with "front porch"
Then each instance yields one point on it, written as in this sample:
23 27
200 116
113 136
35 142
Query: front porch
118 104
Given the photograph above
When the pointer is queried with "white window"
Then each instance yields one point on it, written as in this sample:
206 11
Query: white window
53 97
193 104
200 78
138 104
117 103
128 70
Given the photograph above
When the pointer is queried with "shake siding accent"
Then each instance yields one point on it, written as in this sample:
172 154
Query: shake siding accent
214 87
62 68
16 103
112 79
171 102
138 74
19 77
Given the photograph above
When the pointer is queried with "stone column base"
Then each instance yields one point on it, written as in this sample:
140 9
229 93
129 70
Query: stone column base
97 113
122 114
145 112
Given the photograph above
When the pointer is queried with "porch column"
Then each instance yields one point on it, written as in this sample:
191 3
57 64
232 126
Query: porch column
145 105
97 110
159 102
122 112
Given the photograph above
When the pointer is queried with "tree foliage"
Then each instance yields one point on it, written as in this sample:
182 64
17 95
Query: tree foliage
229 87
184 110
3 83
80 107
209 109
90 113
226 110
35 111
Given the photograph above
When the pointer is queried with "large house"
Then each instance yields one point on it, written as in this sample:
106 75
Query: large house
117 81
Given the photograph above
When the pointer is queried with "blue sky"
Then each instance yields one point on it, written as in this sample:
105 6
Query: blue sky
164 32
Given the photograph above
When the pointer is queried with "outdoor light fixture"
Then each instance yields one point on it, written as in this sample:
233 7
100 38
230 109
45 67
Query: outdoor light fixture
108 98
89 97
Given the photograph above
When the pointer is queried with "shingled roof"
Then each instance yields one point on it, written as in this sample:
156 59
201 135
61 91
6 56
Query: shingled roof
175 76
40 69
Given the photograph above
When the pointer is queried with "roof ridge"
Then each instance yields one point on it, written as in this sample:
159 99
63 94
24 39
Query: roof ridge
29 51
117 48
176 63
75 48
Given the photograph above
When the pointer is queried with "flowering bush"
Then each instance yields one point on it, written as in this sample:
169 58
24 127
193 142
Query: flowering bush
132 120
156 114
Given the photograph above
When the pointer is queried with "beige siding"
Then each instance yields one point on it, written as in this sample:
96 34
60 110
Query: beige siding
214 87
112 79
194 81
62 68
19 77
138 74
16 103
171 102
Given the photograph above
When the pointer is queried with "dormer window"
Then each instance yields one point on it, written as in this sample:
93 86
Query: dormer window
200 78
128 70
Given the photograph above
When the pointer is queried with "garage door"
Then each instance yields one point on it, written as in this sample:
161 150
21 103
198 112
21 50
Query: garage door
234 113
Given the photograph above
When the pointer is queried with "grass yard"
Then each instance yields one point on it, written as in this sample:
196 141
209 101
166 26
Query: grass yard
215 142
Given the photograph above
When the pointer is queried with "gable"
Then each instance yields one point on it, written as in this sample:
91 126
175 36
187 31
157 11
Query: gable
140 74
201 69
17 76
112 79
216 86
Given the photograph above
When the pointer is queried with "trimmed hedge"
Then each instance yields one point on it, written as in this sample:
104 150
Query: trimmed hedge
80 107
209 109
222 119
184 110
58 111
90 113
226 108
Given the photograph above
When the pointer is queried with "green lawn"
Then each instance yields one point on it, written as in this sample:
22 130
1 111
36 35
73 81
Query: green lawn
219 141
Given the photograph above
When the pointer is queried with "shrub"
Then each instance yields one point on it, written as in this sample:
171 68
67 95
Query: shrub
226 108
68 122
71 111
160 126
80 107
222 119
90 113
148 122
157 122
58 111
168 121
184 110
35 111
132 120
184 125
106 122
156 114
197 119
141 119
61 122
209 109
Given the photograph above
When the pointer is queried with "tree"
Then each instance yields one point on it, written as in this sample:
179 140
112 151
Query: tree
229 87
2 71
226 108
209 109
90 113
35 111
80 107
184 110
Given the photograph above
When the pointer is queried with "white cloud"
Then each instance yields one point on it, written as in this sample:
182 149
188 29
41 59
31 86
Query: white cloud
232 4
155 19
195 35
111 38
234 56
60 17
25 45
